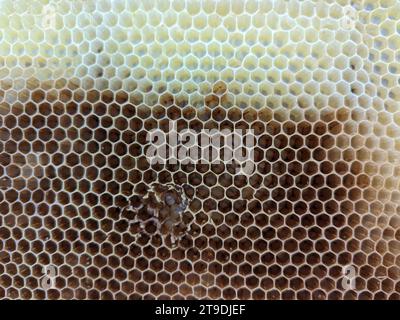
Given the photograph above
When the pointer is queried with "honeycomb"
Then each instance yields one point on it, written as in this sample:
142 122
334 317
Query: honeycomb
85 215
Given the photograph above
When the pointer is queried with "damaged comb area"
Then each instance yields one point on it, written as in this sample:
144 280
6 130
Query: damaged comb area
160 211
84 214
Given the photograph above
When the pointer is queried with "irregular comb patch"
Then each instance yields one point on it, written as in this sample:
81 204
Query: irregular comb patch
161 211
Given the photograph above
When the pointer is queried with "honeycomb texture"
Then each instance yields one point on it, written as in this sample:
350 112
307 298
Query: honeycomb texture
78 96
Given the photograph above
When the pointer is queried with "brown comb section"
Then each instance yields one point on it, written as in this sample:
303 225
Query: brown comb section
78 193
